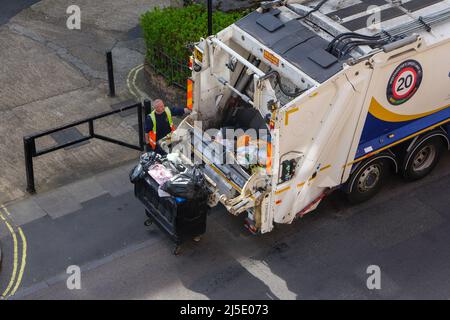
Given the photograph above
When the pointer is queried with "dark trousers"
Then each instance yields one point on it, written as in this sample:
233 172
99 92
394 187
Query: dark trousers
158 149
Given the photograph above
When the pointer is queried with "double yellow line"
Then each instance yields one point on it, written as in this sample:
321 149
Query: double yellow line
18 267
131 82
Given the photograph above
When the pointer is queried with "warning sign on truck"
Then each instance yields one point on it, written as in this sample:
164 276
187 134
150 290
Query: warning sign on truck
404 82
271 58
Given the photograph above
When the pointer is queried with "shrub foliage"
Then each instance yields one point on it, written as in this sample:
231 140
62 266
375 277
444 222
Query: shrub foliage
168 31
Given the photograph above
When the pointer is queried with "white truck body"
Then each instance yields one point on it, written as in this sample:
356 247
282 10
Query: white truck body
349 108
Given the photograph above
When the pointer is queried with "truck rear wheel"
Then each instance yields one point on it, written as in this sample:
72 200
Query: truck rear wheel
422 159
367 180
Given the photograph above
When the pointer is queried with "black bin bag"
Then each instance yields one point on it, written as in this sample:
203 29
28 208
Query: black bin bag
140 171
189 185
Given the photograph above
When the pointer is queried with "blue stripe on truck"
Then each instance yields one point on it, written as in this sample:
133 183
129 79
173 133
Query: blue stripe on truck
378 134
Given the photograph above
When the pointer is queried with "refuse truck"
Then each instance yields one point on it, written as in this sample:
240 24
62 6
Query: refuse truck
300 98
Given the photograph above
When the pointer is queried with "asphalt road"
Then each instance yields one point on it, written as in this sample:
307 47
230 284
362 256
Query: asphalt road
9 8
405 231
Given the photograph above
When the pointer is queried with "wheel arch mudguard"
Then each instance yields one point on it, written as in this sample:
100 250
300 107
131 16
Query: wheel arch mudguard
387 155
416 143
438 132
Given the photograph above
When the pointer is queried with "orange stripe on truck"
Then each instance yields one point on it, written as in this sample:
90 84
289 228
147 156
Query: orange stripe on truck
190 94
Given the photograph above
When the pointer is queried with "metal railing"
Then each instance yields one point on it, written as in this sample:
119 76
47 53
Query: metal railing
30 141
175 72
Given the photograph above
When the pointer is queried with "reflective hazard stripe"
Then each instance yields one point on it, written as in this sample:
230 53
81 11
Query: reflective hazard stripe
269 159
169 118
190 94
152 139
153 117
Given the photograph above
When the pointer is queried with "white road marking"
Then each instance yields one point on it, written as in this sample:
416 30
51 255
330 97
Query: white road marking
261 271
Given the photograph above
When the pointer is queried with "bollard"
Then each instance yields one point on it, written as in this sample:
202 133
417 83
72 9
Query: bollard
109 64
29 150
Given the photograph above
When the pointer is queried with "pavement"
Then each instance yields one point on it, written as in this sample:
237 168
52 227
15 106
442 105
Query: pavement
53 76
97 224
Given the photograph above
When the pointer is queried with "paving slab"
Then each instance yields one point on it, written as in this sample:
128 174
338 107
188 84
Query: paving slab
58 203
116 182
123 104
26 211
30 72
86 190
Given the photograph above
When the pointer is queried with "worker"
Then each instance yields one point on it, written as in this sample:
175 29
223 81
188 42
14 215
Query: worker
159 123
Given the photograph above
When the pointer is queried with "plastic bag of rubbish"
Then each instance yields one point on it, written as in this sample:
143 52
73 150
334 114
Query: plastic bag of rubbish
161 173
148 159
145 161
176 162
137 173
189 185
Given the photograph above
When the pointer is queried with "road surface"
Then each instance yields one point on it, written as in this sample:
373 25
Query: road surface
9 8
405 231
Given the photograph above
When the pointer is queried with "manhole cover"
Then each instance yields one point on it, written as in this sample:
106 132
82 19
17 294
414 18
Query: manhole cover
67 136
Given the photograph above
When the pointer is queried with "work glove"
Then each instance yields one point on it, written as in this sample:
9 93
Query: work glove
187 111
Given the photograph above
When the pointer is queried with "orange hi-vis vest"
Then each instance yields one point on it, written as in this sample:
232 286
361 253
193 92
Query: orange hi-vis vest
152 134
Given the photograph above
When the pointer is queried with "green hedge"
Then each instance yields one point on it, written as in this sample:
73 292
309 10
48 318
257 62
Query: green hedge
168 31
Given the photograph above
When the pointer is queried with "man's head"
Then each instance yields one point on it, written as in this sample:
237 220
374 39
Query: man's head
158 104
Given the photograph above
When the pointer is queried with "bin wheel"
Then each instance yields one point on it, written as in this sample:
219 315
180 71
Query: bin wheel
177 250
148 222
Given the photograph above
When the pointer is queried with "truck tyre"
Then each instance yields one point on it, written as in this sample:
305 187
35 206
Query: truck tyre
367 180
422 159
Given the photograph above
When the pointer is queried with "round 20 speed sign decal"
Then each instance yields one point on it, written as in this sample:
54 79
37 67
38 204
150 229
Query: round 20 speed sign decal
404 82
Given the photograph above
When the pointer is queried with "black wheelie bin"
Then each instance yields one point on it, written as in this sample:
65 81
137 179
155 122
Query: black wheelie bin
181 218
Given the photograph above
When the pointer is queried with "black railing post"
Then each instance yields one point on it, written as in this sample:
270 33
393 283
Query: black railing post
29 150
147 107
147 111
140 109
91 129
109 64
210 18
